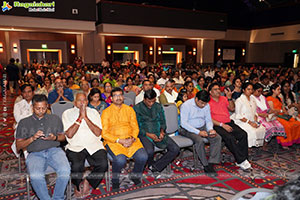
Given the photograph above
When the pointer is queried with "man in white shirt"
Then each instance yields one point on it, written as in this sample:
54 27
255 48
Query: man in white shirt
146 85
22 109
83 129
163 78
169 95
177 78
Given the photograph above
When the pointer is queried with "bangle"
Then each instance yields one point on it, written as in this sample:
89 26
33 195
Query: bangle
77 123
117 141
78 120
221 124
247 121
56 138
230 99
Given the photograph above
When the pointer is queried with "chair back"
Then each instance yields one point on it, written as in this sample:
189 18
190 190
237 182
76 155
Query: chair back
171 115
59 107
128 101
131 95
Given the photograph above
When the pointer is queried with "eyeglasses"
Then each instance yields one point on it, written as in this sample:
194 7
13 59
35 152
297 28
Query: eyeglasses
118 95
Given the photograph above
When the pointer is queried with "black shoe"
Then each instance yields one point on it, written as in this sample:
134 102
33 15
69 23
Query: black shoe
115 187
210 171
136 181
156 174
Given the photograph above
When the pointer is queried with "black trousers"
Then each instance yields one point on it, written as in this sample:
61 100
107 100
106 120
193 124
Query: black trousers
98 161
236 141
172 151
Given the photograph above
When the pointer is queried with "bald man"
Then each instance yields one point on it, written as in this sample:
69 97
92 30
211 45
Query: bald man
83 130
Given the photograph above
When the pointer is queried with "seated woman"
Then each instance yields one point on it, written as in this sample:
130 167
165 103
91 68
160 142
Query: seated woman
106 95
191 91
246 117
291 126
152 79
71 84
201 82
236 88
95 100
272 125
48 85
96 84
120 81
181 98
289 99
131 87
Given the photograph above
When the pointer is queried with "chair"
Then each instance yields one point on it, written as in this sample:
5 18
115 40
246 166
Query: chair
128 101
131 95
59 107
261 193
171 115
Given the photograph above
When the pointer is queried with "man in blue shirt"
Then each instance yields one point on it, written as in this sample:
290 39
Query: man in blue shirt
60 94
196 124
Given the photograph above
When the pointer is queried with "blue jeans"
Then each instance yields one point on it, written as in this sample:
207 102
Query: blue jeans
119 162
37 163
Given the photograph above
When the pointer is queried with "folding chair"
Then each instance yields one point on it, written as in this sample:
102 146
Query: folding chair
171 115
59 107
128 101
131 95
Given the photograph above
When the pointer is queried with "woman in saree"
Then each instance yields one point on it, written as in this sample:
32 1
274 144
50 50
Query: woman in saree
291 126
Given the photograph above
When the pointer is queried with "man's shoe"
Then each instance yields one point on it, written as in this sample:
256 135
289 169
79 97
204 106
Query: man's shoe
156 174
210 171
245 165
136 181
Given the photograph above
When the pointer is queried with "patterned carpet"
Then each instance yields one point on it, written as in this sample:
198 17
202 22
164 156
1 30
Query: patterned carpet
183 181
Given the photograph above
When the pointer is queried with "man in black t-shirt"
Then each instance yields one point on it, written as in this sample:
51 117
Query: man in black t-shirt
40 134
12 76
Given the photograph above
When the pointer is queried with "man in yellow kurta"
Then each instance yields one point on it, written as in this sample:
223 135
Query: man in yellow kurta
120 133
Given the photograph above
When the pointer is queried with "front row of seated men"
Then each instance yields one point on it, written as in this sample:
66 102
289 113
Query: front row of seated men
126 133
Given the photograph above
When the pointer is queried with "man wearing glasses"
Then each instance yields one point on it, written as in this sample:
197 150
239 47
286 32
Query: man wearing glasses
120 133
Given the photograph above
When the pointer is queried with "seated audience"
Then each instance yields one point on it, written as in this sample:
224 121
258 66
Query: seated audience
236 88
82 127
289 99
234 137
120 133
106 95
146 85
246 117
181 98
71 83
48 85
291 126
96 101
60 94
41 134
169 95
266 115
191 91
22 109
131 87
196 124
201 82
163 78
152 125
